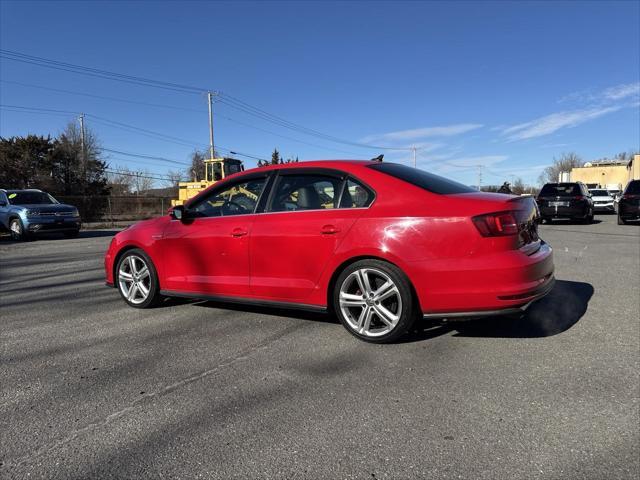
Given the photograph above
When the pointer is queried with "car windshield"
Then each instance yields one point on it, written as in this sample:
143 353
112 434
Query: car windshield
633 188
600 193
30 198
420 178
560 190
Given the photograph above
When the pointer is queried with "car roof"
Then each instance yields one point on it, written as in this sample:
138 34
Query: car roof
21 190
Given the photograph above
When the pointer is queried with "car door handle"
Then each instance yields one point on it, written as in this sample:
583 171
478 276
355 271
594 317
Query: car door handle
329 230
238 232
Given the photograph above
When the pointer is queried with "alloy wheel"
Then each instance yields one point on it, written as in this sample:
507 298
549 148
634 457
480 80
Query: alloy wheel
370 302
134 279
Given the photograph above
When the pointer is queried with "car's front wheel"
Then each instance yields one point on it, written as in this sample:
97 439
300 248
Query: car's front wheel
137 279
17 230
374 301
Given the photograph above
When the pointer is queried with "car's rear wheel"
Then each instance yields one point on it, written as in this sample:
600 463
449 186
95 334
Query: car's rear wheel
137 279
374 301
72 233
17 230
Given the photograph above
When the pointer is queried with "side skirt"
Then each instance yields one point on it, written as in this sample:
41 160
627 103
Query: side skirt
245 301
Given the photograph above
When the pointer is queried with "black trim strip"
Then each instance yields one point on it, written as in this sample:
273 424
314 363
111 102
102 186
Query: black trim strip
247 301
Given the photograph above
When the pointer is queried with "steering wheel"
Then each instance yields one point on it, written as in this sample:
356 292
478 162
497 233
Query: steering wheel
226 208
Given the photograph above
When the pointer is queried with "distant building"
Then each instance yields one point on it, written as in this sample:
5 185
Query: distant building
607 173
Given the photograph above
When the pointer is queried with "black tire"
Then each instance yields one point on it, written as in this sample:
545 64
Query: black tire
72 233
588 219
403 303
16 228
153 297
621 221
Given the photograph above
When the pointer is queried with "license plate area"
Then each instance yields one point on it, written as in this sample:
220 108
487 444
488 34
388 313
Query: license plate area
558 204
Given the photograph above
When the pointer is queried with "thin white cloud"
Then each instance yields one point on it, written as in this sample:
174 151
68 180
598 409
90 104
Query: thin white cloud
555 121
466 163
622 91
425 132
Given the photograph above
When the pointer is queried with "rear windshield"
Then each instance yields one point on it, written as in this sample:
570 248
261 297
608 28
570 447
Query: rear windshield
560 190
30 198
420 178
633 188
599 193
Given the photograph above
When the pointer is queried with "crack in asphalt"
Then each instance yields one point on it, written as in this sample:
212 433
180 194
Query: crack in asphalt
146 397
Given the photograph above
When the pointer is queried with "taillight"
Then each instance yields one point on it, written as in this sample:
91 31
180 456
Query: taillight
578 197
496 224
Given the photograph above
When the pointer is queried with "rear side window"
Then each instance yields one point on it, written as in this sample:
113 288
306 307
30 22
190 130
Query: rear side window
633 188
355 195
305 192
420 178
560 190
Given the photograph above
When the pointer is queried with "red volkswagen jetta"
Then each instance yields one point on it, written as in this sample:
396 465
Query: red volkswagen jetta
379 244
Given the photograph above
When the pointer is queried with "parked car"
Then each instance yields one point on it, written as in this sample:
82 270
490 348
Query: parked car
570 200
29 212
602 200
629 203
379 244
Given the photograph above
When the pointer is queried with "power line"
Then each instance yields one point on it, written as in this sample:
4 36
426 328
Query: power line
90 95
95 72
132 128
141 155
224 98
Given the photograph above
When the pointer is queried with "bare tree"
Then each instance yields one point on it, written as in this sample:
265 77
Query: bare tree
196 170
564 163
120 183
519 187
173 177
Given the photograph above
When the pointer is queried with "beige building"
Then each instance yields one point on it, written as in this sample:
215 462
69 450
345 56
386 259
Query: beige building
608 173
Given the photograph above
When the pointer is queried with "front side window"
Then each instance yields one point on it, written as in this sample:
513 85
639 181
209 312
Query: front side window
633 188
237 199
306 192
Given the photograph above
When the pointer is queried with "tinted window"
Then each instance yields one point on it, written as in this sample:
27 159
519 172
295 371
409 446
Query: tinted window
422 179
599 193
237 199
355 195
560 190
633 188
30 198
305 192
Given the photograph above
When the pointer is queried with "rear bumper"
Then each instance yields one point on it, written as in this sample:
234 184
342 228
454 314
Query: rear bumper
498 312
629 211
486 283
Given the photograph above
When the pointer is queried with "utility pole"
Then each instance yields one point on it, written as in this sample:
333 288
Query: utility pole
479 176
82 147
414 156
210 101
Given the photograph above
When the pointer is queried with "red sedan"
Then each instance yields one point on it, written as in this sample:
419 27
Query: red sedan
379 244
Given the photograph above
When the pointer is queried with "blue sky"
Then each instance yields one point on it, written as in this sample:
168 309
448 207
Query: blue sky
506 85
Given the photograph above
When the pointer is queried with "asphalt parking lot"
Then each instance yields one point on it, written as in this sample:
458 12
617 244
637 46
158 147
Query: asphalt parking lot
91 388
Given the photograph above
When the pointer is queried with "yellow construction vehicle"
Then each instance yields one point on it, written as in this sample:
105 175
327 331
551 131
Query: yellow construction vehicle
215 169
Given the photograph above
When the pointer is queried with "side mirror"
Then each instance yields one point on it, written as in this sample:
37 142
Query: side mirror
178 212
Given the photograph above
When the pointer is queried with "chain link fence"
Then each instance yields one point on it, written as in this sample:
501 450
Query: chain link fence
111 209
